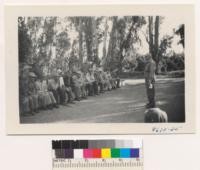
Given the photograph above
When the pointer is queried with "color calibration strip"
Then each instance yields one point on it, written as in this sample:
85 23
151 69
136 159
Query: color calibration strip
93 149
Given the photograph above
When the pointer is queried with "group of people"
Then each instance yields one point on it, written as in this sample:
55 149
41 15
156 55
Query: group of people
60 88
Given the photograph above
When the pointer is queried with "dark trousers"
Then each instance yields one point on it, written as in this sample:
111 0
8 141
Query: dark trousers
95 87
62 94
101 87
150 93
90 89
77 92
118 82
70 94
56 96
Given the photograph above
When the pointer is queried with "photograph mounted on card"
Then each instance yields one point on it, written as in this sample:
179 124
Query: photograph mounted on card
105 69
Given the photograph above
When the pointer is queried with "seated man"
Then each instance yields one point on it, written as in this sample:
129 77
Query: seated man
89 84
101 80
76 86
44 94
68 89
116 79
82 84
111 80
86 82
107 81
98 81
61 89
33 96
23 95
94 82
53 87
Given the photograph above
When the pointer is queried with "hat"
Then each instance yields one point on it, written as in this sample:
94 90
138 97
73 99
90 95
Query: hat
26 67
59 71
148 56
100 69
31 74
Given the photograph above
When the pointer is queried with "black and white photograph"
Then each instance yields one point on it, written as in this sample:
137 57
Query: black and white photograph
75 66
100 84
113 69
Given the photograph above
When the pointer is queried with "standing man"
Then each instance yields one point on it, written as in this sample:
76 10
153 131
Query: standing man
149 75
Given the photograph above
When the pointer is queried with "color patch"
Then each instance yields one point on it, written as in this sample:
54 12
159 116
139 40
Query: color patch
69 153
87 153
105 153
83 144
96 153
125 153
115 153
80 149
78 153
135 153
59 153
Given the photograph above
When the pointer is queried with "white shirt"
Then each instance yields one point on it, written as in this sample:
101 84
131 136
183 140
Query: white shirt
61 82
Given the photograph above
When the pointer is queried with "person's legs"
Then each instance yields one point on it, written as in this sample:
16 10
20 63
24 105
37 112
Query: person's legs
69 94
41 101
35 103
150 94
101 87
83 90
55 94
147 91
48 100
79 92
76 90
95 87
87 88
31 104
53 100
25 105
91 89
62 95
108 85
118 83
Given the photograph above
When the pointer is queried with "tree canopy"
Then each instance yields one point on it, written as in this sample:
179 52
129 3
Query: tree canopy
110 42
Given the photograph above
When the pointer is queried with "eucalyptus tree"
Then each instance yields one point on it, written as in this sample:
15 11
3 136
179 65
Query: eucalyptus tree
124 34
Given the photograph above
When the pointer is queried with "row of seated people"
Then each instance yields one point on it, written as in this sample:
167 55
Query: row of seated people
41 93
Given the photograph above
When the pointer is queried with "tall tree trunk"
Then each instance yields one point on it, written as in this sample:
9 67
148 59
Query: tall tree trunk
105 37
151 39
89 37
80 42
156 45
154 39
112 43
95 41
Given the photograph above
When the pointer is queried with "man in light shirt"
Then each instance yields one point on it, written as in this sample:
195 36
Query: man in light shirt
61 88
149 75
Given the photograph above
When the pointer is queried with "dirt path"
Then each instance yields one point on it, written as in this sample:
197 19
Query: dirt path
125 105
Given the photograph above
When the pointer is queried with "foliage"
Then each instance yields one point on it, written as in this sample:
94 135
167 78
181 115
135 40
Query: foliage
181 31
62 44
24 41
123 35
54 42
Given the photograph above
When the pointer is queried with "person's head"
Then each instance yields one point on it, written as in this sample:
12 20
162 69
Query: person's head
148 57
32 76
155 115
59 72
